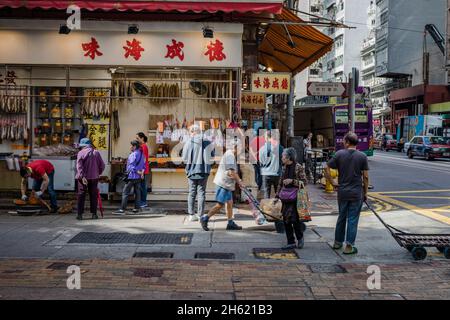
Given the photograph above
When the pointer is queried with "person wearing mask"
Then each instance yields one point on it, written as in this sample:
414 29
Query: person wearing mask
225 180
43 174
270 159
291 179
197 156
142 138
134 174
90 166
353 185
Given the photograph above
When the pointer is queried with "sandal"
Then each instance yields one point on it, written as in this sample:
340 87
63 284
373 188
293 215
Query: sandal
337 246
353 251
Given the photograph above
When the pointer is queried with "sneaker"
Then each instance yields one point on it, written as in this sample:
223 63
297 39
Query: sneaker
136 210
94 216
193 218
79 217
289 247
204 222
119 212
233 226
301 243
144 206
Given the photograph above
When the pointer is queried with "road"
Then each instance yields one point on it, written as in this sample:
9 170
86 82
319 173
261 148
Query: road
414 184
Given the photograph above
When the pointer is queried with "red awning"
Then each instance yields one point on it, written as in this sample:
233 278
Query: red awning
180 6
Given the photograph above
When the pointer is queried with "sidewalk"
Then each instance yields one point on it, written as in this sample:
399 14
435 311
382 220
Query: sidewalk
198 280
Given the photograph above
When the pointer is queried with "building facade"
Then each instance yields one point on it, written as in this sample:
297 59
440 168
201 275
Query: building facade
346 53
314 72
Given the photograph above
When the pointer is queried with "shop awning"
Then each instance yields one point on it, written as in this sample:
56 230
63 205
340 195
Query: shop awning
309 45
258 6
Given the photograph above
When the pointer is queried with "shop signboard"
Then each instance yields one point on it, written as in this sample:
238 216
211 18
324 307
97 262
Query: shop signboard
399 114
183 48
98 133
271 83
250 100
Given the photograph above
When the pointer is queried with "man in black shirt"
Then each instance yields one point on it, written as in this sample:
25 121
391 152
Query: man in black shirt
352 185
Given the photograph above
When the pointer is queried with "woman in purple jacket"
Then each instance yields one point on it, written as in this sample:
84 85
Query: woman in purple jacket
135 174
90 166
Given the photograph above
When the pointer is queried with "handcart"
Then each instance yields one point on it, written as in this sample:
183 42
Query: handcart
416 243
256 205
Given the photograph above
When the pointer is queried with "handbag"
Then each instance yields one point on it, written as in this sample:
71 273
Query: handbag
303 204
288 194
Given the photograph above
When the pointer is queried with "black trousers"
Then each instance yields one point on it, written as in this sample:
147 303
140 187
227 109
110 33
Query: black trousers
292 228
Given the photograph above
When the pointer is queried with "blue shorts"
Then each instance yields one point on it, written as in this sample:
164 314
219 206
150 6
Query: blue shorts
223 195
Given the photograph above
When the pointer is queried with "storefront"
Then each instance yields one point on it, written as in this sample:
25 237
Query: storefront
442 109
108 84
415 101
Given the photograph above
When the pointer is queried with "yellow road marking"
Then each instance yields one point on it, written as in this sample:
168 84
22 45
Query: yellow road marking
444 208
418 197
424 212
411 191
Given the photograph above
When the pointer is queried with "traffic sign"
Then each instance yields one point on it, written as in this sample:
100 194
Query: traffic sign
331 89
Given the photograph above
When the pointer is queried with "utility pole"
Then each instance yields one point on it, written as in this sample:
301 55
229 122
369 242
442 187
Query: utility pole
290 104
353 83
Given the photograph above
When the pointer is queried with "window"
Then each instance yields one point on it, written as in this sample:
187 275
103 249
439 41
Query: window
339 41
419 140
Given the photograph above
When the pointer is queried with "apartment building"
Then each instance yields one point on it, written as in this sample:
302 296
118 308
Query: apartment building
314 72
346 52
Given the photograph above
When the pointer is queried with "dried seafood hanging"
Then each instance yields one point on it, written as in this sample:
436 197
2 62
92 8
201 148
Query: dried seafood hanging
13 127
14 99
97 102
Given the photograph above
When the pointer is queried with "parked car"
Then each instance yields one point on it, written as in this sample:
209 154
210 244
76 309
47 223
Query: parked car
391 143
428 147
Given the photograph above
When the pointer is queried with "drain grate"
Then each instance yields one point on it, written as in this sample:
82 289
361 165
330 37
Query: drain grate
327 268
152 255
148 273
214 255
60 265
275 254
122 237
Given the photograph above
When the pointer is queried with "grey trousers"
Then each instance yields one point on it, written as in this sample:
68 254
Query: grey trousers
136 184
197 187
268 183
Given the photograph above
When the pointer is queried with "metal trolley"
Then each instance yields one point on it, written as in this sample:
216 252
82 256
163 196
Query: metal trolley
416 243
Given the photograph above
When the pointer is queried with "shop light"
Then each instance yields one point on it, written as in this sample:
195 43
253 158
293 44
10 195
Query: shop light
208 33
269 69
63 29
133 29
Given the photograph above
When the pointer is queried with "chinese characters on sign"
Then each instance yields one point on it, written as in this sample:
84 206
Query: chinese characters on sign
98 133
91 49
175 50
9 79
400 114
330 89
361 116
275 83
215 51
134 49
251 100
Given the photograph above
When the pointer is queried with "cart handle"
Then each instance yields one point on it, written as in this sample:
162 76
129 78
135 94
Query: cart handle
381 220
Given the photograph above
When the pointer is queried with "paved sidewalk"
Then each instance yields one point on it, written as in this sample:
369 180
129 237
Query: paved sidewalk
196 280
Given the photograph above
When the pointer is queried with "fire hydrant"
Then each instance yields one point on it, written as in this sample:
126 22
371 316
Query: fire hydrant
328 186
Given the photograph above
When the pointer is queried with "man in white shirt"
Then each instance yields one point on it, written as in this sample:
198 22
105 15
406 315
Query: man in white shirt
226 179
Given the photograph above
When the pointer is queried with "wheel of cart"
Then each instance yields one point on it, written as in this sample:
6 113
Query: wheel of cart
419 253
416 243
447 253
